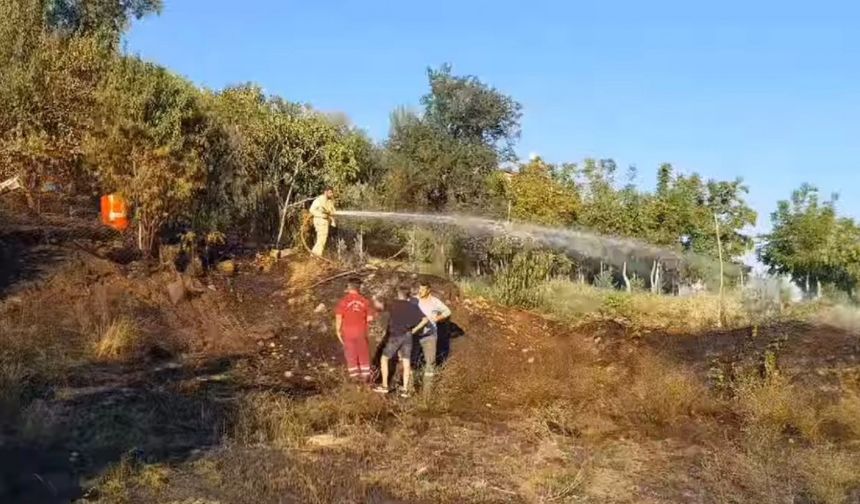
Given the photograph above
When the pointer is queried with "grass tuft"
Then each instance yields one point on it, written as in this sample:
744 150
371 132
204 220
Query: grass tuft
119 340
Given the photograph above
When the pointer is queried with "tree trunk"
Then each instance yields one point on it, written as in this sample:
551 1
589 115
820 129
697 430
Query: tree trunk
720 252
627 285
283 220
655 272
817 288
31 202
139 235
806 290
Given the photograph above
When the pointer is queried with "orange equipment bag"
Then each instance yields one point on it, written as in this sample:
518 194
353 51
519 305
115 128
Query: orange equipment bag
114 211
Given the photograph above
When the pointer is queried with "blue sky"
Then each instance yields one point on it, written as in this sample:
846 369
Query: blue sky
766 90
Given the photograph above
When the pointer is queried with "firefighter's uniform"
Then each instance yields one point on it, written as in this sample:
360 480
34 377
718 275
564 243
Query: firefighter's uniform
322 211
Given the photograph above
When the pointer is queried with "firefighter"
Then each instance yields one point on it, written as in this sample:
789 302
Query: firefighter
322 210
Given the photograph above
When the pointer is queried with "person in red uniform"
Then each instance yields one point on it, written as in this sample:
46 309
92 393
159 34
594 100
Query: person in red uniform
353 316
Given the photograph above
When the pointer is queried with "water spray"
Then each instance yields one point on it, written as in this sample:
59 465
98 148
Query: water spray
611 250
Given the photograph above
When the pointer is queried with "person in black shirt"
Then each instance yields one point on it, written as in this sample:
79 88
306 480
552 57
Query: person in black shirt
405 320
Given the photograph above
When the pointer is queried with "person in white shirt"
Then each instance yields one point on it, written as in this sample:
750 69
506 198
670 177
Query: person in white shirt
322 210
436 311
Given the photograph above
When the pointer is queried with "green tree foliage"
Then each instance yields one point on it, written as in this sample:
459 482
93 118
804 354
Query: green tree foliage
427 168
148 143
48 90
543 193
679 214
470 111
683 210
810 242
77 112
278 153
443 158
104 17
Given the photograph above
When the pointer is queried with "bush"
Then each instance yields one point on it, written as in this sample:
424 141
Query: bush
518 281
604 279
845 415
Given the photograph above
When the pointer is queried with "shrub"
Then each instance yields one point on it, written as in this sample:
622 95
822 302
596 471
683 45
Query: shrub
604 279
518 281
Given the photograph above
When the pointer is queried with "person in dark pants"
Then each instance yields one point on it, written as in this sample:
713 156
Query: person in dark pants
405 320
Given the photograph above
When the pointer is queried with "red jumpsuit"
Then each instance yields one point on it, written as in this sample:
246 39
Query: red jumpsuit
356 312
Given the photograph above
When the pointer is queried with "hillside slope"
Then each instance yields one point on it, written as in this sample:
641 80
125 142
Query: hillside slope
113 393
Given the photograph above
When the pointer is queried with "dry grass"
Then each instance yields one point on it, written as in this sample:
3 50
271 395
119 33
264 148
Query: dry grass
37 345
770 472
560 381
829 475
524 411
661 393
286 422
118 484
566 484
844 416
498 375
741 474
573 301
13 378
119 340
777 407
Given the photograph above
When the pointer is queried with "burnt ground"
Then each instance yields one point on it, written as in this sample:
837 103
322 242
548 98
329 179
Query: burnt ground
249 332
268 328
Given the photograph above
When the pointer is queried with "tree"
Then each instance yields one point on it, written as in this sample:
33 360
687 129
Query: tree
48 90
281 152
104 17
811 243
470 111
148 143
602 209
539 193
683 210
427 168
444 158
